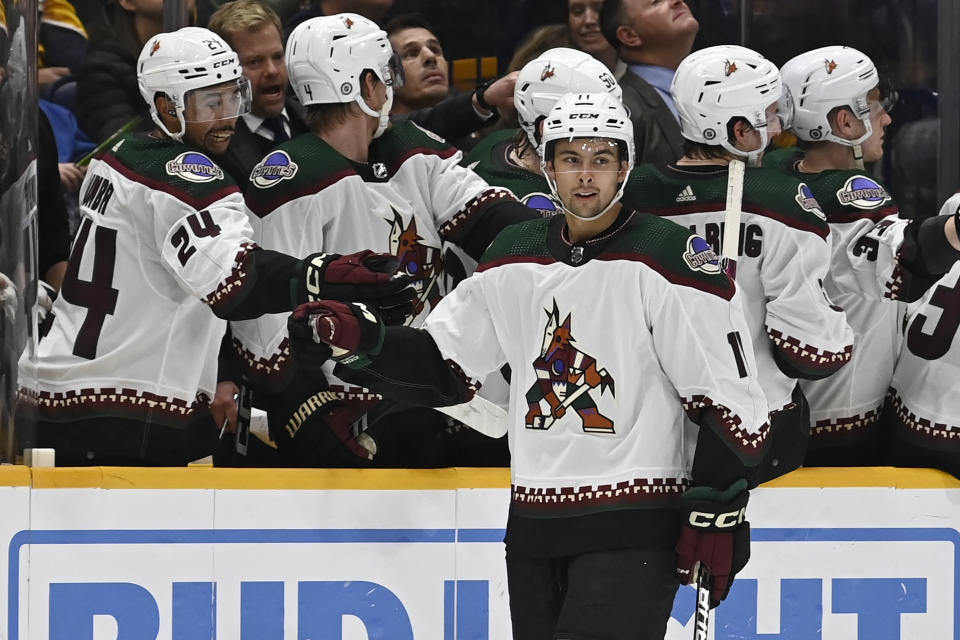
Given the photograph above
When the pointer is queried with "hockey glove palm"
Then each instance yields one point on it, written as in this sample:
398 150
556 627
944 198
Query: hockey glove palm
366 277
714 532
351 330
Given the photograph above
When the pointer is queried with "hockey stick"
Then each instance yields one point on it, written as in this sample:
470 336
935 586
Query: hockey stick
582 389
731 223
702 617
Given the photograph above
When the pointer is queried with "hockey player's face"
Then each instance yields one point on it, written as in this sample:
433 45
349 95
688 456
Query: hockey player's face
211 115
424 67
261 55
879 120
587 172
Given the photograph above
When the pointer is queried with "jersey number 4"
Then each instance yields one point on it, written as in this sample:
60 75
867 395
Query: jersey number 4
97 295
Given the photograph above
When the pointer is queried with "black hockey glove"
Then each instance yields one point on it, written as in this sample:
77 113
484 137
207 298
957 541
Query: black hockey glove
366 277
352 331
715 533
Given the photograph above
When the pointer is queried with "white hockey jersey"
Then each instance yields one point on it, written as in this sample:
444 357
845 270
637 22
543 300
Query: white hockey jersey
924 387
783 253
867 278
408 201
608 342
162 238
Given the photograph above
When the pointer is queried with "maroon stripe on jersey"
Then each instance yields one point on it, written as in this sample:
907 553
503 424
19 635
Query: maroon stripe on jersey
486 198
425 151
748 446
571 501
856 215
808 359
270 371
824 430
748 207
504 260
81 404
263 208
166 187
725 290
943 437
233 284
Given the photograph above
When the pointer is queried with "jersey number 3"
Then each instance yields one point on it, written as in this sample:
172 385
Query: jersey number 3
97 295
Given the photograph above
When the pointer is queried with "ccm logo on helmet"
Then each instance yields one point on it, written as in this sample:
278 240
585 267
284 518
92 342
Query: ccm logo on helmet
584 116
727 520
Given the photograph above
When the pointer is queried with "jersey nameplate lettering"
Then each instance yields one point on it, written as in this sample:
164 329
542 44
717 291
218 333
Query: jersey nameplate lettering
749 244
97 194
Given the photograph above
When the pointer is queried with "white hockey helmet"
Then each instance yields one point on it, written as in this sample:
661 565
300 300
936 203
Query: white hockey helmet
824 79
716 84
187 59
327 55
587 115
556 72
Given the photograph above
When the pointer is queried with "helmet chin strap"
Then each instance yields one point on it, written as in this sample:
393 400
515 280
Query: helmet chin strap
858 156
382 116
553 190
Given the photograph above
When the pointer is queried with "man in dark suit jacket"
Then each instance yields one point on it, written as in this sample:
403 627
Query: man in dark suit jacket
652 38
254 31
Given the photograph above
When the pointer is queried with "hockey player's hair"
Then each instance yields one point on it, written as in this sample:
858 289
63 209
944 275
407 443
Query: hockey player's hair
621 151
521 143
403 21
703 151
240 16
611 17
322 117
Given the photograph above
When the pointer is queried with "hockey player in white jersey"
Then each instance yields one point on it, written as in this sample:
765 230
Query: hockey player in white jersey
615 325
511 158
163 255
353 183
924 407
727 98
877 258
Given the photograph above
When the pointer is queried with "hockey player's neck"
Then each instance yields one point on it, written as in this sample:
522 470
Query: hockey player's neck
351 138
584 230
825 156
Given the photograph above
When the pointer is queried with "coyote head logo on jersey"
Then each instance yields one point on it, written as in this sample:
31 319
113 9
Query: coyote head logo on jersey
423 263
566 376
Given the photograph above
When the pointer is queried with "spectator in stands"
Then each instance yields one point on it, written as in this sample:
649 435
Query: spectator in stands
583 20
107 92
61 42
653 37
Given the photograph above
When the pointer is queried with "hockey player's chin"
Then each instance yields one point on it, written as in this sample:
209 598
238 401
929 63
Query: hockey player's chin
218 141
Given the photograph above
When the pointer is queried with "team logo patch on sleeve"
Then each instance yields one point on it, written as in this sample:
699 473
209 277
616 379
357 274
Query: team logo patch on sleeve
273 169
808 202
863 193
700 256
195 167
542 203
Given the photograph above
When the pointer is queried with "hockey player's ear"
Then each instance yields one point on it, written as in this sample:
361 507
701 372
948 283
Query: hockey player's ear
167 111
628 36
847 125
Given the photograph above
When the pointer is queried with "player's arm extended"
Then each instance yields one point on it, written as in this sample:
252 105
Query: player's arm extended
400 363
